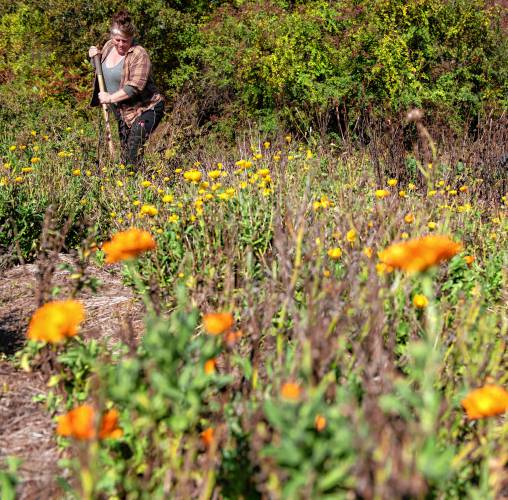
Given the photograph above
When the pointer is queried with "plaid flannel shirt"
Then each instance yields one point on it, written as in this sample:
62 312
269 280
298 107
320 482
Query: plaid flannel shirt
137 74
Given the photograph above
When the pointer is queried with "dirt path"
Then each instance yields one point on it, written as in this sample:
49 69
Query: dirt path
26 428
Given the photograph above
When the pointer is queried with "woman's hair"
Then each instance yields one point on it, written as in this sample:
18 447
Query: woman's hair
121 23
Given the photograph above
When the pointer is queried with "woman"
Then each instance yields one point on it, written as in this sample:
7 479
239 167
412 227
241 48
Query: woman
131 92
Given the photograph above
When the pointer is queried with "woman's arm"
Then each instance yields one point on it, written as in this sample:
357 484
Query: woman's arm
118 96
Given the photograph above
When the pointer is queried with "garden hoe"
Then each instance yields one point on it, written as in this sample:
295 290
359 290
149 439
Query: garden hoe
102 88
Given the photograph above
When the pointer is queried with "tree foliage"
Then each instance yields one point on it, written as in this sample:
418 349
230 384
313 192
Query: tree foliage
252 58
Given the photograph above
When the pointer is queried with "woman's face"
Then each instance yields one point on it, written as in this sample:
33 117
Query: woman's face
122 43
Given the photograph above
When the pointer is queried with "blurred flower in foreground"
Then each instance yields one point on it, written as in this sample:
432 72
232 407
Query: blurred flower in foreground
127 245
80 424
486 401
217 323
56 320
207 436
210 365
320 423
290 391
421 253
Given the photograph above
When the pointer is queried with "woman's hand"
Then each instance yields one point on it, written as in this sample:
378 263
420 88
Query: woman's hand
105 98
93 51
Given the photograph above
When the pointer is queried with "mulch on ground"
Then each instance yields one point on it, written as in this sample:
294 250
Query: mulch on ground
26 428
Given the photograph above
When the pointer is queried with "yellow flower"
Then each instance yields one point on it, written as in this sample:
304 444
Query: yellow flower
420 301
35 160
18 179
431 193
266 144
351 236
192 175
367 251
119 184
127 245
217 323
382 268
168 198
463 189
55 321
334 253
149 210
214 174
27 170
288 138
411 186
146 184
487 401
392 182
382 193
76 172
12 148
409 218
402 193
421 253
173 218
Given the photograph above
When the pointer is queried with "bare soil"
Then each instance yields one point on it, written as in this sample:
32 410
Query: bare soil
26 427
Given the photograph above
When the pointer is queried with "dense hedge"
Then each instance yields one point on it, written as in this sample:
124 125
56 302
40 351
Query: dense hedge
293 60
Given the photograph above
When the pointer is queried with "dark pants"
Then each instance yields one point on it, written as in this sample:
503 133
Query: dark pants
133 138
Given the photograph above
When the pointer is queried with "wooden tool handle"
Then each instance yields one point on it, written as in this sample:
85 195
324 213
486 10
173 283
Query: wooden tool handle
102 88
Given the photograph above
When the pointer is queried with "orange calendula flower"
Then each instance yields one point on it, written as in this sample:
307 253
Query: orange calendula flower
217 323
55 321
421 253
109 426
127 245
210 366
469 259
291 391
207 436
486 401
231 338
320 423
80 424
